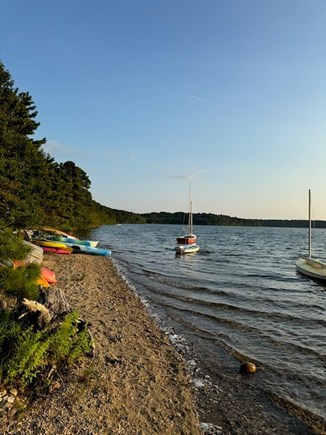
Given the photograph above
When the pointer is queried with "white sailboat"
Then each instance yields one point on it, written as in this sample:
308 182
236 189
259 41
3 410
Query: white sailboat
187 244
307 265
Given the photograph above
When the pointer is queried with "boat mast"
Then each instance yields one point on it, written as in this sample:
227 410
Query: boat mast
309 234
190 210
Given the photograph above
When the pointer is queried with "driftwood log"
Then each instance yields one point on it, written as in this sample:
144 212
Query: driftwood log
55 301
51 306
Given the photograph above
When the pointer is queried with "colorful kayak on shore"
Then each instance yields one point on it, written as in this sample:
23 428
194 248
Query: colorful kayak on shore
42 282
89 250
48 249
92 243
49 275
56 231
50 243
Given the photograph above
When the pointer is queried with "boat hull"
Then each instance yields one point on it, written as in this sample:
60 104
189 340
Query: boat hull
57 250
35 255
186 240
56 231
51 244
92 243
312 268
89 250
187 249
49 275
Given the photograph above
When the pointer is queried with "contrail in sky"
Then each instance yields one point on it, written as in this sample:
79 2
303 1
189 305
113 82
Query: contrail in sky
200 99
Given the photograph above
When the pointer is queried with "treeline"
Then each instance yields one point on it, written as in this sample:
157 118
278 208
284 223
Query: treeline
181 218
34 188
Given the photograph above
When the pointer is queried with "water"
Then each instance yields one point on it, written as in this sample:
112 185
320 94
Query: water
240 298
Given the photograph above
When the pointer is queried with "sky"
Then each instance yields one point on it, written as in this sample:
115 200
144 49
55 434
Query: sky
145 95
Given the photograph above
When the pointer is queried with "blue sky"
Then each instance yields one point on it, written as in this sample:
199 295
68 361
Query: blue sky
143 94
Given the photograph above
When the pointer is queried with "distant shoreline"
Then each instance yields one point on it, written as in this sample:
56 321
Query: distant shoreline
180 218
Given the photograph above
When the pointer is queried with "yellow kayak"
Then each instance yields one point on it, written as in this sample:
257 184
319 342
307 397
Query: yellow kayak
51 244
42 282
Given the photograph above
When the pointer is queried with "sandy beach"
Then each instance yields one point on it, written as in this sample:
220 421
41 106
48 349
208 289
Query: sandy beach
136 383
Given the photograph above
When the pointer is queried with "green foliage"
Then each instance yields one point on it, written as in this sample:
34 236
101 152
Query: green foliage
29 358
9 333
20 282
68 343
80 345
26 353
11 246
22 352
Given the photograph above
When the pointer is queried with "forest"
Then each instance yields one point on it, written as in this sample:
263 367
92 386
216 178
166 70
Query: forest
34 189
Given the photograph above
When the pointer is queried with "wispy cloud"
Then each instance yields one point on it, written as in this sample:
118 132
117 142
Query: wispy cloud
176 177
200 99
57 149
182 176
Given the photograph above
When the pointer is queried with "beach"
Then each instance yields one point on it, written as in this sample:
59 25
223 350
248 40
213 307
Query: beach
136 382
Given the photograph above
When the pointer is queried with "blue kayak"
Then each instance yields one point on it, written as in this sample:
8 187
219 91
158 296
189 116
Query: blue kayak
89 249
92 243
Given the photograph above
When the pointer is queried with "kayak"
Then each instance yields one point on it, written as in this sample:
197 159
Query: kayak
42 282
51 244
89 250
49 275
55 231
57 250
92 243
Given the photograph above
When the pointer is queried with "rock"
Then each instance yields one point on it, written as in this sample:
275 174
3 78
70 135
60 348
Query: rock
247 368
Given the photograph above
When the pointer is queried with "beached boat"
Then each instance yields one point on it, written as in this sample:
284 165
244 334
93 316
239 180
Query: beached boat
51 244
187 244
35 255
307 265
92 243
51 250
49 275
89 250
56 231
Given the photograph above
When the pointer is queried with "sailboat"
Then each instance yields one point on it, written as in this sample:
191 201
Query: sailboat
187 244
307 265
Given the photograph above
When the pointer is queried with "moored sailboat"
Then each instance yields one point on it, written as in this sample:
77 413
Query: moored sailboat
187 244
307 265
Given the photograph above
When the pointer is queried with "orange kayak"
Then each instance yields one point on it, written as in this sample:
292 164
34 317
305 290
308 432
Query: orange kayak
48 275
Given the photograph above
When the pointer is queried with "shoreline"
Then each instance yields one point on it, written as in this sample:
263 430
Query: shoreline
136 383
144 377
